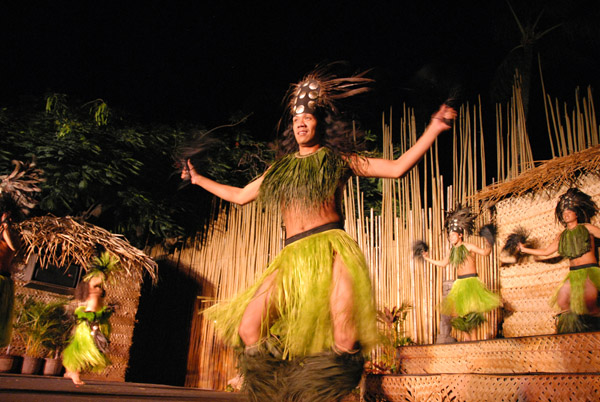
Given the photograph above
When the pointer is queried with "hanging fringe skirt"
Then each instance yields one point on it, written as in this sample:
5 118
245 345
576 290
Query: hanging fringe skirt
7 298
300 316
82 354
577 277
469 295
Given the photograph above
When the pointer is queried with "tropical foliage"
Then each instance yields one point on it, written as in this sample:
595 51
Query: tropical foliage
393 338
114 172
42 327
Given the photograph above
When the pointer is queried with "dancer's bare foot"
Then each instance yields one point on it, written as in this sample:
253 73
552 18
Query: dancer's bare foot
236 382
74 376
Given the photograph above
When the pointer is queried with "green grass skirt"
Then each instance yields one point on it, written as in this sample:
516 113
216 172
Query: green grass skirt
577 280
469 295
300 317
82 354
7 299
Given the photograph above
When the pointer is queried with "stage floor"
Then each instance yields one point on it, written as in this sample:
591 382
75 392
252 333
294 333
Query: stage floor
30 388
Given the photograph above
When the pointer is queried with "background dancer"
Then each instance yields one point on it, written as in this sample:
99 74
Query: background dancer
17 191
89 342
8 247
577 295
468 299
307 323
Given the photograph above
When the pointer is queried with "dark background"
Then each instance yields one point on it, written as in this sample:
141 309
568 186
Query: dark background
203 61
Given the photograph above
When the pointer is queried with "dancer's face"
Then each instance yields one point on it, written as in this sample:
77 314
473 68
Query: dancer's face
454 238
569 216
305 126
95 285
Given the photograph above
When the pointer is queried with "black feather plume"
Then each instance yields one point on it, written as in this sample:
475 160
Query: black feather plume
419 247
488 232
520 235
202 149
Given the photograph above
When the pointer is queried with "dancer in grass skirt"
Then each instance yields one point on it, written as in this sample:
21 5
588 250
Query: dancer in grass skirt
469 298
89 342
304 327
577 295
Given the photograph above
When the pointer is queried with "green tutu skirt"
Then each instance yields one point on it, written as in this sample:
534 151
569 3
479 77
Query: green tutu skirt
82 354
7 298
469 295
300 317
577 280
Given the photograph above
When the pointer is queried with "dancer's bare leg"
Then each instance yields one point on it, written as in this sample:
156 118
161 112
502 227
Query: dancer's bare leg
590 296
256 312
563 298
74 376
342 307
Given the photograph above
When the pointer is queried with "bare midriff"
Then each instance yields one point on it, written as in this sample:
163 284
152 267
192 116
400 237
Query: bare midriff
588 258
297 222
468 267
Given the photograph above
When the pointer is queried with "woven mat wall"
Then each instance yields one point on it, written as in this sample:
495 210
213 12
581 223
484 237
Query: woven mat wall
478 387
566 353
122 293
527 285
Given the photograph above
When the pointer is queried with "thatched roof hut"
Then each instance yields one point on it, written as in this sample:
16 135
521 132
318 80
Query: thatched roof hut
66 241
62 241
548 177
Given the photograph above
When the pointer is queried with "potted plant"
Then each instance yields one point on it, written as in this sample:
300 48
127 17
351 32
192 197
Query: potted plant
36 324
393 337
57 339
10 363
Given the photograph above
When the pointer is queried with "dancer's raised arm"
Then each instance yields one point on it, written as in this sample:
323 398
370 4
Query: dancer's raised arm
478 250
440 263
541 252
385 168
237 195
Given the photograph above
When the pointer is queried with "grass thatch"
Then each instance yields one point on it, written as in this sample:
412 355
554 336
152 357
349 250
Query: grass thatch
64 241
549 176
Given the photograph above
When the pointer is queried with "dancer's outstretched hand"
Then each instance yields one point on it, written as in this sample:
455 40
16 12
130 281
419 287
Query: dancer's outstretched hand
189 172
444 117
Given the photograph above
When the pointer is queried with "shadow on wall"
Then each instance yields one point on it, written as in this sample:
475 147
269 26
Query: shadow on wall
159 351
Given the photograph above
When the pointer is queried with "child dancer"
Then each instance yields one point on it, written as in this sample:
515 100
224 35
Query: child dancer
89 343
468 299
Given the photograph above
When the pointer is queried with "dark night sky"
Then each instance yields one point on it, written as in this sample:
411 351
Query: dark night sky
201 61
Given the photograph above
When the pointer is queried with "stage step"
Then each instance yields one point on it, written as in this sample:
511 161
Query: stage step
482 387
565 353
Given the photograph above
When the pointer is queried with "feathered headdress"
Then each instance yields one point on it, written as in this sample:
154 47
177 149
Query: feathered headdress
578 202
17 189
104 264
460 220
321 89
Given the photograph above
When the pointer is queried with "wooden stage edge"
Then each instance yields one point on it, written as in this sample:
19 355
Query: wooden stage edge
19 387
